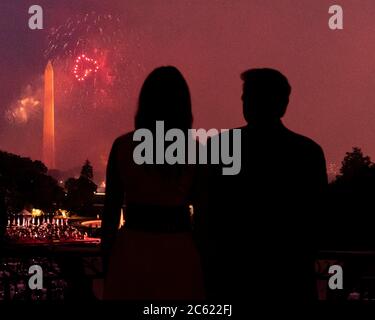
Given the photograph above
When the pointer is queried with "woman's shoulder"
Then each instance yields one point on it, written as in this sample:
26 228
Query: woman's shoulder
123 140
121 146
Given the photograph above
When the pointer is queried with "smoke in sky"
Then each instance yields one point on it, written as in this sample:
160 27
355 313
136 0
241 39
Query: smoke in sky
26 107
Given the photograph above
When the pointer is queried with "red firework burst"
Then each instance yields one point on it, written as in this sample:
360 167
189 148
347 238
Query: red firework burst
84 66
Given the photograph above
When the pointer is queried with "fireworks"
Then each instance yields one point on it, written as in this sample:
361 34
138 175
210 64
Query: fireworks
85 33
112 65
81 45
107 81
17 115
24 108
84 67
333 168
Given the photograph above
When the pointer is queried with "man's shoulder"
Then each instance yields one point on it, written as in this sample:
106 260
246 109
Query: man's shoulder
295 139
302 141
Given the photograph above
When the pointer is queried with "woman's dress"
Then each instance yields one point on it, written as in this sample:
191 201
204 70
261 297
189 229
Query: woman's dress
153 257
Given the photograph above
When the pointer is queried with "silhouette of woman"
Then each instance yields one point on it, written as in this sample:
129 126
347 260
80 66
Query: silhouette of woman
153 256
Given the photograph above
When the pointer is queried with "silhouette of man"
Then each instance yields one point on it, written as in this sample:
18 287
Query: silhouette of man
258 234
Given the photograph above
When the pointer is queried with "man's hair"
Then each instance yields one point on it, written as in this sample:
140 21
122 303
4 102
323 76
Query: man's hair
265 93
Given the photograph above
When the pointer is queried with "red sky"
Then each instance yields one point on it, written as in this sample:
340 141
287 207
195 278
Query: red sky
211 42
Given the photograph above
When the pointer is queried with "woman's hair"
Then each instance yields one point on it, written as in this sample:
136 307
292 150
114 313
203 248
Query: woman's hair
164 97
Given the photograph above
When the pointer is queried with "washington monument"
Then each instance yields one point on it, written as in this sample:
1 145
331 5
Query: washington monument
48 119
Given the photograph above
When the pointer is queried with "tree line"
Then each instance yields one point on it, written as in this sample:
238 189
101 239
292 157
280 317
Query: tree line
25 183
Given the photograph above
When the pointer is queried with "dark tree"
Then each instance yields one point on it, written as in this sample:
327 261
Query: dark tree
87 170
357 173
355 164
349 203
80 192
24 181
